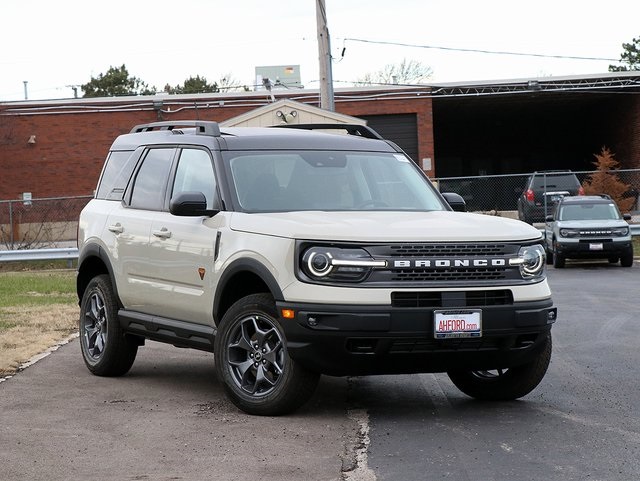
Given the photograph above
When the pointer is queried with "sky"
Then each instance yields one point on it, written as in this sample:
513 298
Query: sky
53 45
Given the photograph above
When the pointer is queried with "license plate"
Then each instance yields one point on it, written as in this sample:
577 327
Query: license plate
595 246
456 323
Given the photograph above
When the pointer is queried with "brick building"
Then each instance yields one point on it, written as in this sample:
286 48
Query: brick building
56 148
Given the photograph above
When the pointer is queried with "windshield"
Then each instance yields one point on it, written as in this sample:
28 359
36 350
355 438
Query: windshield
555 181
589 212
329 180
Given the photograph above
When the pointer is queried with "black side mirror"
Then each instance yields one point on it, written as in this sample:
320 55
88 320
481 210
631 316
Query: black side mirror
190 204
626 217
548 218
455 201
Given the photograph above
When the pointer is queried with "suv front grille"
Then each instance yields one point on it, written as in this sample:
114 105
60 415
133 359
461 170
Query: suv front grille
444 264
449 275
449 299
596 233
446 249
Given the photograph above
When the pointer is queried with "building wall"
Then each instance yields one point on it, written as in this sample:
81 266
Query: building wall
72 137
626 133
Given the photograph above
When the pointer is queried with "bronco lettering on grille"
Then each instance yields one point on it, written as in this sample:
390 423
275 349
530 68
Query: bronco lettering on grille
444 263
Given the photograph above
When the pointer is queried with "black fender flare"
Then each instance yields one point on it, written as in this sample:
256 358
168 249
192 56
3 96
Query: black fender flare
95 250
245 265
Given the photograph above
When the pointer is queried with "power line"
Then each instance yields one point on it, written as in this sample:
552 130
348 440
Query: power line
473 50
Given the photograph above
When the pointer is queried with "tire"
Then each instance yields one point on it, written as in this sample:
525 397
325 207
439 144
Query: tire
106 350
504 384
558 259
253 363
549 256
627 258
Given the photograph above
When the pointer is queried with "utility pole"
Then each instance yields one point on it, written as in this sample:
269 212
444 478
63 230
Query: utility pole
26 94
324 56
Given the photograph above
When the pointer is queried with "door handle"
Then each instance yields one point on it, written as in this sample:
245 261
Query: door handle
163 233
116 228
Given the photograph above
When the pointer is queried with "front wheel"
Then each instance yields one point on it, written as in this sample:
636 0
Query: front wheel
549 253
106 350
627 258
253 363
558 259
504 384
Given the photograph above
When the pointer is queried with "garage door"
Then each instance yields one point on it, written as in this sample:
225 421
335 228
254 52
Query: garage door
399 128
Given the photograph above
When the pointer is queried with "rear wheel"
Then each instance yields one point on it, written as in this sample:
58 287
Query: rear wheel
504 384
106 350
253 363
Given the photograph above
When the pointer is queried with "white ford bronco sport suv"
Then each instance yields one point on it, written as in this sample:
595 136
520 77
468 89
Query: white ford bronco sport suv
294 252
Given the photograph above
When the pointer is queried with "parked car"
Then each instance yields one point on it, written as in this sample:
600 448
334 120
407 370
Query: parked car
292 253
543 190
588 227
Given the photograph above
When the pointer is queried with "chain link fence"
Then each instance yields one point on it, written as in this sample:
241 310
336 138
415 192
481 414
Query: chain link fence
53 222
499 194
40 223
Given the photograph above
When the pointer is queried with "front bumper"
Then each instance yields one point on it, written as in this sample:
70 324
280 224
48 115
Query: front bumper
344 340
593 248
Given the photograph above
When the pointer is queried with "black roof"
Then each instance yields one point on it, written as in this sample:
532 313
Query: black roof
303 137
591 199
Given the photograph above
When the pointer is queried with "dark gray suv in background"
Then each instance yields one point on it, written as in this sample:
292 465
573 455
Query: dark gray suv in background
543 190
588 227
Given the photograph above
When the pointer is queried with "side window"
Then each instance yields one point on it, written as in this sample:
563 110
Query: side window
195 173
115 175
151 180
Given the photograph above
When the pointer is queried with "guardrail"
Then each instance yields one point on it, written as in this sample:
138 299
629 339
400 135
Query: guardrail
39 254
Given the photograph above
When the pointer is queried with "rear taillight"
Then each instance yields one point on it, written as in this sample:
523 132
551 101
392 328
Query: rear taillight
529 195
581 191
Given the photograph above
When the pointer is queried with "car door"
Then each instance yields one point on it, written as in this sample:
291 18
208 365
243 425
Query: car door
130 224
183 248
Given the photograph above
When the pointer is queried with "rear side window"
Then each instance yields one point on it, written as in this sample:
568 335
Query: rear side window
115 175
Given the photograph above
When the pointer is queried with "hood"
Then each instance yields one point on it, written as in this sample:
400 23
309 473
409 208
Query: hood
376 226
592 224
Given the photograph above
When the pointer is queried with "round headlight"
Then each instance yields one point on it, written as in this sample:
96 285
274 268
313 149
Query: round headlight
319 263
533 260
569 232
620 231
338 264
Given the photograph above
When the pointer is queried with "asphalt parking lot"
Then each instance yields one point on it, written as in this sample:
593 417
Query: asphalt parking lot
169 419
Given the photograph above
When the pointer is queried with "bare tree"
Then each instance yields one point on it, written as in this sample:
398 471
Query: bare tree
228 83
405 72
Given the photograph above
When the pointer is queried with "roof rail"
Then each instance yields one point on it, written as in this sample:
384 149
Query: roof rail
352 129
203 127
